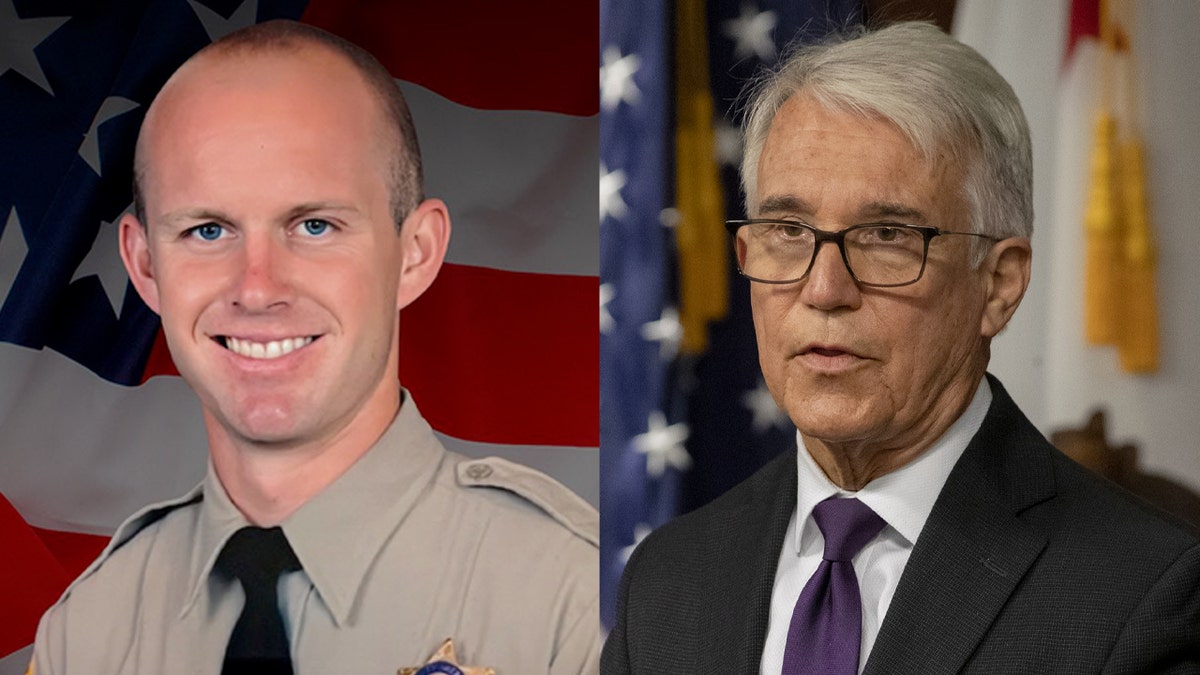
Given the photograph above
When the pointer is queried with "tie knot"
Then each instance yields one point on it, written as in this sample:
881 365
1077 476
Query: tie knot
257 555
847 525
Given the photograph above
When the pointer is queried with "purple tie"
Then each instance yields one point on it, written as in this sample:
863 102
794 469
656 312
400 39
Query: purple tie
826 627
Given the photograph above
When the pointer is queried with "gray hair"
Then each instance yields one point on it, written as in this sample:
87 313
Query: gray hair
941 94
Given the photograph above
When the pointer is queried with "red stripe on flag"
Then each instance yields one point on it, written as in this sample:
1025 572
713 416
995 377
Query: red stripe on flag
529 55
505 357
31 579
74 551
159 362
1084 22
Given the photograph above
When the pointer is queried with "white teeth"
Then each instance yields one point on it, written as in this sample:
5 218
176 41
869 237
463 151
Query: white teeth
266 350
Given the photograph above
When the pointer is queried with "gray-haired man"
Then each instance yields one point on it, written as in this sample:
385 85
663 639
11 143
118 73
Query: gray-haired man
923 525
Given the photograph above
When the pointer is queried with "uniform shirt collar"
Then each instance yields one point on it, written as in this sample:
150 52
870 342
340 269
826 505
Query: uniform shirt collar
903 498
339 532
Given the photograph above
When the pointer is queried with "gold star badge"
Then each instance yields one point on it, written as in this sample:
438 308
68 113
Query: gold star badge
445 661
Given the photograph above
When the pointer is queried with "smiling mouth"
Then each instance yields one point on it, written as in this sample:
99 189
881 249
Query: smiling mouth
264 350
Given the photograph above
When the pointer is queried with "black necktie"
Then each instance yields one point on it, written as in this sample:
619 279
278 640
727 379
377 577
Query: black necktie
257 556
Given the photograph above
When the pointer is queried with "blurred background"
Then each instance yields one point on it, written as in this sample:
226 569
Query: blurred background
1102 353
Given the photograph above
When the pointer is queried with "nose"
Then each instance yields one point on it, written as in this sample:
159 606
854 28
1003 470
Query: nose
829 285
261 276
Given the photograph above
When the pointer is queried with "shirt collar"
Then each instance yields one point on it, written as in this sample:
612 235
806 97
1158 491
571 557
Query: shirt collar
338 533
218 520
905 497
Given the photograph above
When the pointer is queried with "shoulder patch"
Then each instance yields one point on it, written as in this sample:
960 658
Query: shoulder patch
139 521
564 506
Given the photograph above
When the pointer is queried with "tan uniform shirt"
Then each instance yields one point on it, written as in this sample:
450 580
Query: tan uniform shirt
412 545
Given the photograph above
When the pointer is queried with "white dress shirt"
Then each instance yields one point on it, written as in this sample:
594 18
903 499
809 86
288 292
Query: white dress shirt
903 498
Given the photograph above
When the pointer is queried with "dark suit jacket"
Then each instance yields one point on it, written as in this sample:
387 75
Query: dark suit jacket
1028 564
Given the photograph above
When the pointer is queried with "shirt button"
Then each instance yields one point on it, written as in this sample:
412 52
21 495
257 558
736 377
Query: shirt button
479 471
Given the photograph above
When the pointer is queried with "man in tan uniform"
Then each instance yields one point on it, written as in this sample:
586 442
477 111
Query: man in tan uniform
279 228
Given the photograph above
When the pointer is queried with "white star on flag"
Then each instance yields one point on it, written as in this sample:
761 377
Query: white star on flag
607 323
667 331
751 33
12 253
104 261
662 444
727 148
218 26
20 37
611 202
616 79
670 217
762 407
640 532
113 106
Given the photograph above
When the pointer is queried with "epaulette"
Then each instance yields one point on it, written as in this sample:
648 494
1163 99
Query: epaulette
567 508
139 521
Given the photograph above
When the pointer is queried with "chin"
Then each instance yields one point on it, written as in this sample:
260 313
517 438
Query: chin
833 418
264 426
265 435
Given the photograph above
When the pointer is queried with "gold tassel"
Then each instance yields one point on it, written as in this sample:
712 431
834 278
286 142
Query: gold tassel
700 232
1102 226
1138 344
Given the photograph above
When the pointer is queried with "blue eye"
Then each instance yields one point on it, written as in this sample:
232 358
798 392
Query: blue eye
207 231
315 227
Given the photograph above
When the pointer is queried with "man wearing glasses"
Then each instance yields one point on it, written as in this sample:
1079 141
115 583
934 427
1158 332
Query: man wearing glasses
923 525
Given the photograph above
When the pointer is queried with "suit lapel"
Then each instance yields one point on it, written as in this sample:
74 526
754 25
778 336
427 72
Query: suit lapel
973 551
736 589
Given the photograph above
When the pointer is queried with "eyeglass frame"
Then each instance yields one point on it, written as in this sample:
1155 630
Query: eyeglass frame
839 239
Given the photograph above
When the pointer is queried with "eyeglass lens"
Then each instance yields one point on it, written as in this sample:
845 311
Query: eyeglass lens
875 254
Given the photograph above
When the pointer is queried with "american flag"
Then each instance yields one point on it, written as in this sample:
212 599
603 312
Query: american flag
678 426
499 353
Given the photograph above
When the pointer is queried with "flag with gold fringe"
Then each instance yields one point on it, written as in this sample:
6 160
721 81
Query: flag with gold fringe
684 414
1120 303
699 231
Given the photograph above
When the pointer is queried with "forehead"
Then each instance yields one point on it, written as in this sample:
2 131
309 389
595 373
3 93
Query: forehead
814 152
307 100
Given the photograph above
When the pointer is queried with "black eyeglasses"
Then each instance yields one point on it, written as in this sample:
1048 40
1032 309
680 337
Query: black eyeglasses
876 254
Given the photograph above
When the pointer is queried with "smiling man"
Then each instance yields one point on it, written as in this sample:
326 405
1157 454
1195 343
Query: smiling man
280 227
923 525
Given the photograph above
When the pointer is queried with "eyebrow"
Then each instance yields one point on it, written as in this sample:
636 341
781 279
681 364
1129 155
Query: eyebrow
785 204
893 210
313 207
789 204
196 214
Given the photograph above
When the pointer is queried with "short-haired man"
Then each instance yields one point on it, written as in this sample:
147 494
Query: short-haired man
280 227
923 525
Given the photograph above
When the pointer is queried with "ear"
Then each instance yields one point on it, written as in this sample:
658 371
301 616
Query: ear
135 253
1006 276
424 235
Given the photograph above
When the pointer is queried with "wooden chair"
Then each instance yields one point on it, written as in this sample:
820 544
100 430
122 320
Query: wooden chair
1089 446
